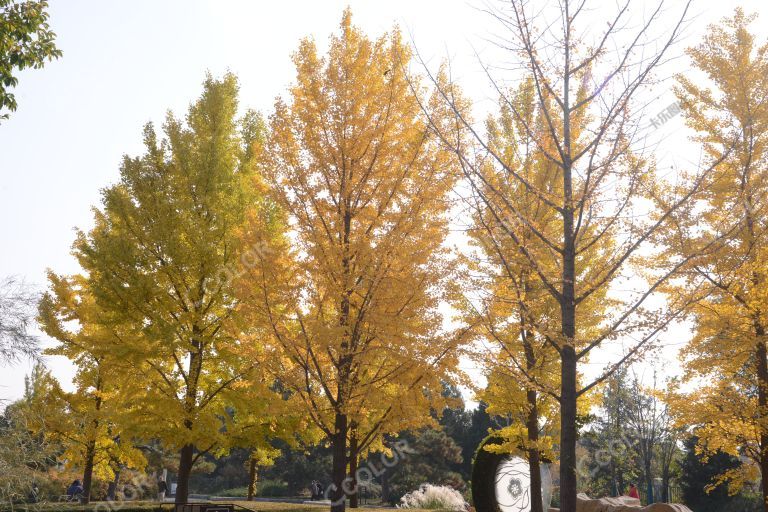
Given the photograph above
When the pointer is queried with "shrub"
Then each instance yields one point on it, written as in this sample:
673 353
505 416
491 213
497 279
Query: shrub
234 492
272 488
264 488
429 496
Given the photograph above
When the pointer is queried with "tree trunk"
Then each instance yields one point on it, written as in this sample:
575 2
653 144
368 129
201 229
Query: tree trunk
252 476
186 455
568 375
341 423
762 400
185 469
339 465
532 426
622 484
568 431
353 455
90 453
665 485
568 358
534 461
650 498
385 490
112 488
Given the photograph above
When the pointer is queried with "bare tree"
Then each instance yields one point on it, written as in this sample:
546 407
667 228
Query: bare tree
650 425
18 306
608 203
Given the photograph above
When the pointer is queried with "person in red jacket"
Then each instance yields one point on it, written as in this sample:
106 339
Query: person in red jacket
633 491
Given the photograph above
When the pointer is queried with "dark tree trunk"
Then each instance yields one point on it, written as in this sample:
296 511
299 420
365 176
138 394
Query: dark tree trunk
339 465
532 426
252 476
762 400
665 485
568 431
341 423
185 469
622 483
649 497
534 460
186 456
385 490
568 375
568 357
90 453
112 488
353 456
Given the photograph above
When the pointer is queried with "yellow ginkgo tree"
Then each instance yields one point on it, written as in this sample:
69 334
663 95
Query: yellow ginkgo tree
160 263
87 421
728 356
514 317
352 294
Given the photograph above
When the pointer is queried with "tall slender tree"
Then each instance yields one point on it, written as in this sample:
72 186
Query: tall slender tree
728 354
352 295
161 262
510 310
587 95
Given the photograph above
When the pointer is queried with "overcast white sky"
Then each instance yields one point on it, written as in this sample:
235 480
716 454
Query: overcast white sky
126 63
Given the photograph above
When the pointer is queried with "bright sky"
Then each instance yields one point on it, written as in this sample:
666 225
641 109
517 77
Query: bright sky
126 63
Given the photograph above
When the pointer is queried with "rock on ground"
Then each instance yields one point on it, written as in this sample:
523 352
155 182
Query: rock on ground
621 504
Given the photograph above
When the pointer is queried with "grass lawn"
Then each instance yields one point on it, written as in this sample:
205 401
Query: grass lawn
139 506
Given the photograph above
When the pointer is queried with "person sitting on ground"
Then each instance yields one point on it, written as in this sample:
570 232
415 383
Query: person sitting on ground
313 490
633 491
34 493
75 491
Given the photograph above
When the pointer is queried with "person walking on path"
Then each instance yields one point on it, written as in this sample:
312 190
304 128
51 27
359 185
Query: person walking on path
162 488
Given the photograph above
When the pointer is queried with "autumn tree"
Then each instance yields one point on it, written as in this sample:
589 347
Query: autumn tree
510 311
82 423
90 421
26 41
601 220
160 263
25 455
726 98
351 295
